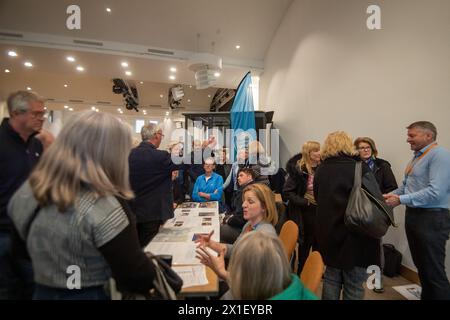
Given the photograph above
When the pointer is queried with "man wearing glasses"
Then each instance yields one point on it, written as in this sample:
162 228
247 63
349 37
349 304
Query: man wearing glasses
20 150
151 181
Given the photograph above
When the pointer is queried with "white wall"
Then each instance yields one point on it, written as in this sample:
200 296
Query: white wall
326 71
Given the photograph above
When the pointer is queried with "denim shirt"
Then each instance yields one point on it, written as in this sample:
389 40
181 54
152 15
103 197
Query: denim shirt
428 185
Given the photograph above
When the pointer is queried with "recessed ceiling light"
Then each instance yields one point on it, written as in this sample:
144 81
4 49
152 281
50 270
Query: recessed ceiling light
172 77
28 64
80 68
70 109
28 88
189 100
142 82
45 108
65 86
238 47
161 96
12 53
173 69
167 113
217 74
66 107
209 96
119 109
190 87
108 9
97 110
70 59
124 64
93 108
7 71
128 73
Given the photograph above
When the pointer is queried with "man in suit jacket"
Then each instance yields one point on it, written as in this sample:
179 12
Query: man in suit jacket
150 178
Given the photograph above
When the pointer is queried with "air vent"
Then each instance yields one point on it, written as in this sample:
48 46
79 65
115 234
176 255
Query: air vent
76 101
162 52
89 43
103 102
11 35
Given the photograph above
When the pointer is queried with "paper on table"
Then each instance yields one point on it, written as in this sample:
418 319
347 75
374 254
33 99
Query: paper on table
410 291
192 275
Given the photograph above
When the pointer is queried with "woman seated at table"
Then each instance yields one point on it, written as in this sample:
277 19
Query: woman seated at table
208 186
259 270
261 215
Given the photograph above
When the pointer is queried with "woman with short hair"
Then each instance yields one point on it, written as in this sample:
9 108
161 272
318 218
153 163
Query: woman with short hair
346 254
368 153
259 269
73 215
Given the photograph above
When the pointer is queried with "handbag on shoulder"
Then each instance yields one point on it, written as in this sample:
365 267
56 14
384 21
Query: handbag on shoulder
366 213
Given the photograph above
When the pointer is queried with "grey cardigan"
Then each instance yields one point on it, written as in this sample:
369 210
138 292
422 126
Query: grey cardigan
262 226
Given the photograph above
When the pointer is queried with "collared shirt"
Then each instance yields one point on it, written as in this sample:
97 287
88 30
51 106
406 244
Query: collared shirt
428 184
215 182
17 159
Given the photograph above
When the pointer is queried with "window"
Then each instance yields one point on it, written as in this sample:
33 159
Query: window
139 124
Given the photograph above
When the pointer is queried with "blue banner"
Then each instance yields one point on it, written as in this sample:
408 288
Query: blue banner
243 115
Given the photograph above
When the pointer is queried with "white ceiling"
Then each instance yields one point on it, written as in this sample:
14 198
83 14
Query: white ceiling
171 25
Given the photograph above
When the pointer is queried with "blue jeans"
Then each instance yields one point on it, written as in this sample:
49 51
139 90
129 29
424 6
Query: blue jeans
351 281
47 293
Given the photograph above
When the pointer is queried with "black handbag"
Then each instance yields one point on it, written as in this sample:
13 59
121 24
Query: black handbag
166 285
392 260
167 282
366 213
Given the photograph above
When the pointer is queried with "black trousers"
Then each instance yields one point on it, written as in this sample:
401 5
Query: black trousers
308 217
427 231
147 231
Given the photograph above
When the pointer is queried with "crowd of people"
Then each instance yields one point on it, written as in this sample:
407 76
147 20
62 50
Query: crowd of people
90 199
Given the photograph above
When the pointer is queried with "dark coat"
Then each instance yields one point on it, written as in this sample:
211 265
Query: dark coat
384 175
151 180
340 248
294 190
236 219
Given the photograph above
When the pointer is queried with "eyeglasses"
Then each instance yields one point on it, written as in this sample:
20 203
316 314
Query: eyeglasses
364 148
38 114
161 134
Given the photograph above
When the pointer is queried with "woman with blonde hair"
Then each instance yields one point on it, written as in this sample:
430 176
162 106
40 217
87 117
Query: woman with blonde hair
298 191
346 254
261 214
259 270
73 215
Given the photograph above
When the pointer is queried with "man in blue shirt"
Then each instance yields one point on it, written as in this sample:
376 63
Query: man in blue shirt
426 193
208 186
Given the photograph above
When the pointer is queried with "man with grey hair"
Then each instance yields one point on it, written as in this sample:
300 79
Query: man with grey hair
20 150
151 180
426 193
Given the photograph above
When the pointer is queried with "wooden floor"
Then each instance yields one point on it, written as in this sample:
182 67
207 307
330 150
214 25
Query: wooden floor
388 294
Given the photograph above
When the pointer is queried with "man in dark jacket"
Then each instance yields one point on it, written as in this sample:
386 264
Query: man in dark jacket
151 180
234 222
20 151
